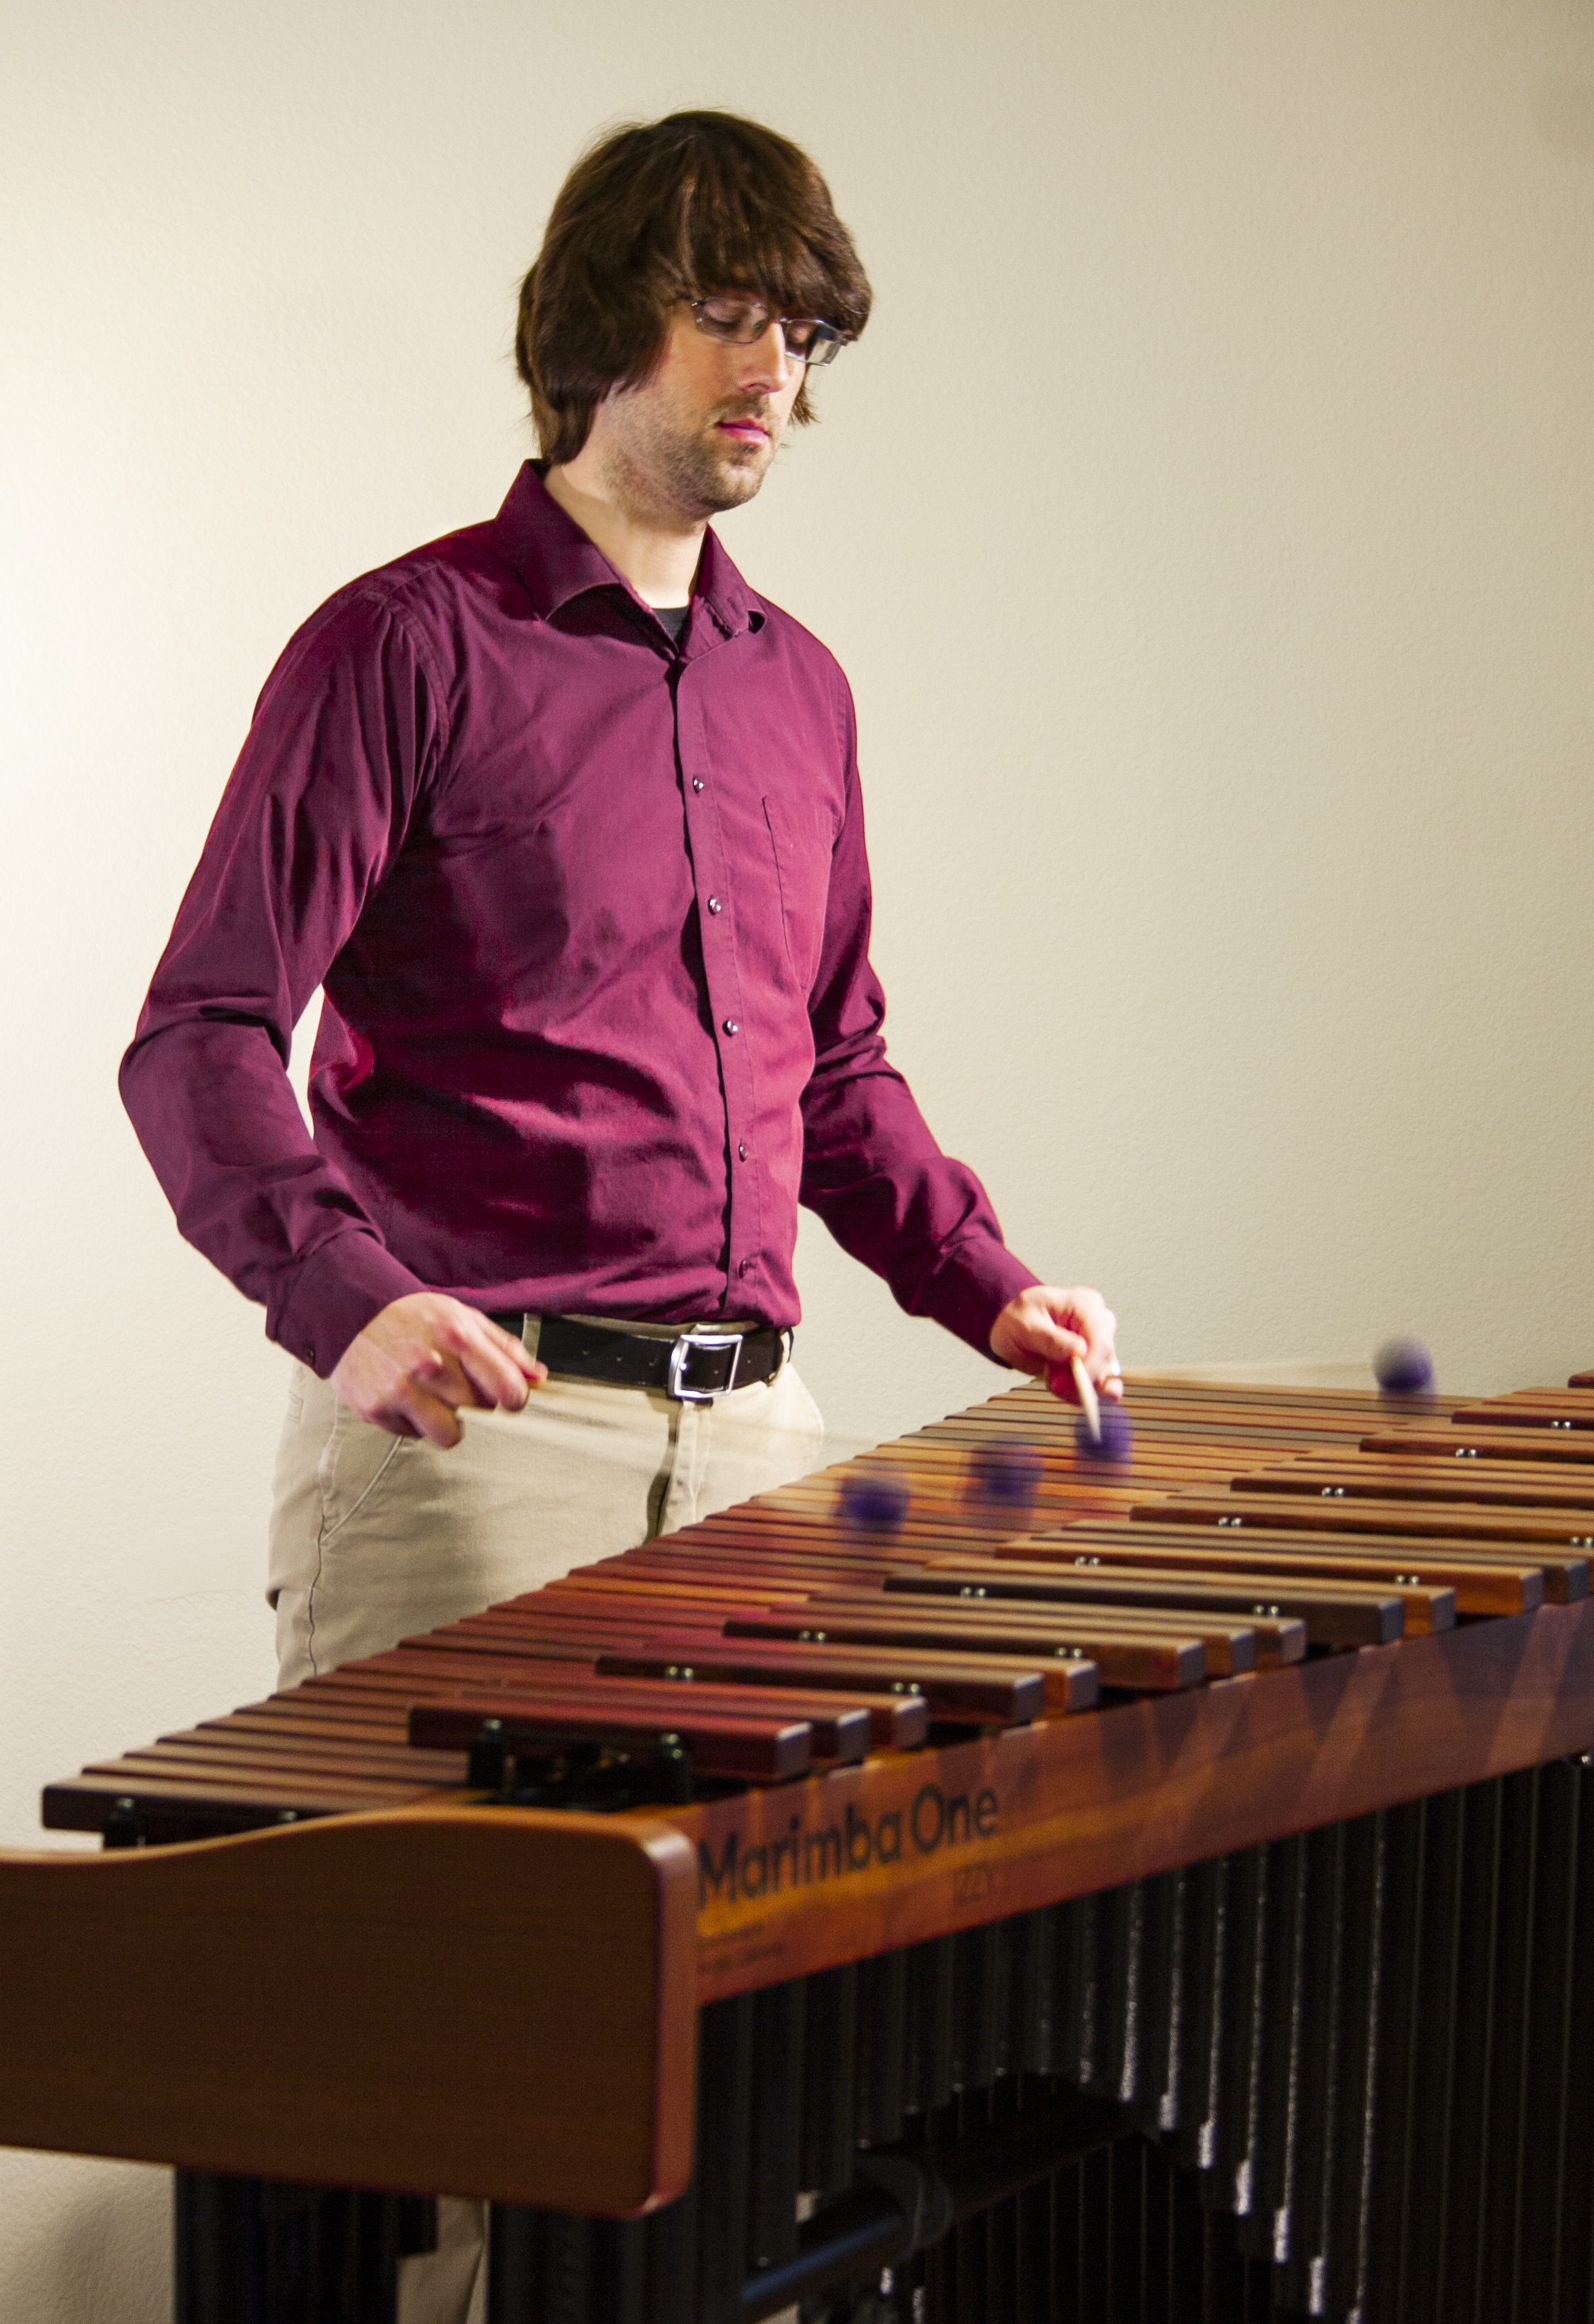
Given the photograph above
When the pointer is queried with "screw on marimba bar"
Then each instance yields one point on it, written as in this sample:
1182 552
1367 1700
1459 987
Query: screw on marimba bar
124 1826
487 1769
673 1772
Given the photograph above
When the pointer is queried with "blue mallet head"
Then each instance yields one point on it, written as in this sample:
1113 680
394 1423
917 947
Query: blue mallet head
875 1500
1004 1477
1116 1442
1404 1368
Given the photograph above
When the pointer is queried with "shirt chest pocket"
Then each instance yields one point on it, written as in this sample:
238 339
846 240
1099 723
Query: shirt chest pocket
801 839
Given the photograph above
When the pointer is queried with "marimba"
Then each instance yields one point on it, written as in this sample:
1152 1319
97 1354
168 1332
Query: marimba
972 1885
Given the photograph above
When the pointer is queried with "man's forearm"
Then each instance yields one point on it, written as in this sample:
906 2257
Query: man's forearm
874 1173
218 1121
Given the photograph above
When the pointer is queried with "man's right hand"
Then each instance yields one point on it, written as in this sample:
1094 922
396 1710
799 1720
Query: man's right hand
425 1356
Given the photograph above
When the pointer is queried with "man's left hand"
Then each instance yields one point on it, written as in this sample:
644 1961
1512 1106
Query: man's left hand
1044 1329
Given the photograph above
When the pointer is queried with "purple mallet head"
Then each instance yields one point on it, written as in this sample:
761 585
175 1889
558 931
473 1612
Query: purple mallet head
1404 1368
1117 1441
875 1498
1004 1476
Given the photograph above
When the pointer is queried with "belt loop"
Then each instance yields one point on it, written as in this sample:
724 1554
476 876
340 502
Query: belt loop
530 1332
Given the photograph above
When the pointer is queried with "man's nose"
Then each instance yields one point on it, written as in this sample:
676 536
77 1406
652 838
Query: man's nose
767 362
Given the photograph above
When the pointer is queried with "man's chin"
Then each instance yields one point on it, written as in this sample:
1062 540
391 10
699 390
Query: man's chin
735 476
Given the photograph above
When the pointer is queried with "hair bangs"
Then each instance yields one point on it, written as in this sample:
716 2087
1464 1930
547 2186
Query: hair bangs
741 227
683 208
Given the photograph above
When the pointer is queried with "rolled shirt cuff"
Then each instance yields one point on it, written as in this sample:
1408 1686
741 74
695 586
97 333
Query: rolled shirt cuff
336 1292
970 1288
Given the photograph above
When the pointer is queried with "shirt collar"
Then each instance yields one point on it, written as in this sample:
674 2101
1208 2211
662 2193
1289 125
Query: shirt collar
559 562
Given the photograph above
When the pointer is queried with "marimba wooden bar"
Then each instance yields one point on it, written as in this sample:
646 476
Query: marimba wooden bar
1149 1892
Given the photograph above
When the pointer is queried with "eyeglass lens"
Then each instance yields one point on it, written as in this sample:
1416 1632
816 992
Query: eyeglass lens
738 322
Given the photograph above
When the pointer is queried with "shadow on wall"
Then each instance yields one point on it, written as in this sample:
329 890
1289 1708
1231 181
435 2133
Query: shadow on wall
86 2242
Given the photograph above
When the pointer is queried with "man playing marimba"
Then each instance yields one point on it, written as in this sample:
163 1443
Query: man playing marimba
565 819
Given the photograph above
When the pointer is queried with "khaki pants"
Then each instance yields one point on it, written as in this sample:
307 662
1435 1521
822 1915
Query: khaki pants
374 1537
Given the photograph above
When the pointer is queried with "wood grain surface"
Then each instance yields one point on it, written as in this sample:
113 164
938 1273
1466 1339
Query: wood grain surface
406 1989
467 2001
1076 1805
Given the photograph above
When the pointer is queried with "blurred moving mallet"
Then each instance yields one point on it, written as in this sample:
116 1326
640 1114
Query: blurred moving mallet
1085 1388
874 1501
1404 1368
1002 1481
1103 1431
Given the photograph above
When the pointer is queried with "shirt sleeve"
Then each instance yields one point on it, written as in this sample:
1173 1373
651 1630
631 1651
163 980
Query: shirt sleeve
344 736
871 1169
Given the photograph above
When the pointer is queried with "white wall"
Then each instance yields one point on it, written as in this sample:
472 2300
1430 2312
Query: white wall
1207 521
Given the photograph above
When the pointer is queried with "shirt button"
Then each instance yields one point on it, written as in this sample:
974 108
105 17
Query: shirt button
732 1026
746 1268
714 904
740 1153
697 782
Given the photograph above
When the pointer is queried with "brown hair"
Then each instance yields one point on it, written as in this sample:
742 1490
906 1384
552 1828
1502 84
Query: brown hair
676 209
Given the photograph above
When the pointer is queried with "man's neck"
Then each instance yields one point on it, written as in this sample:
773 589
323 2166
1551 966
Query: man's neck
657 554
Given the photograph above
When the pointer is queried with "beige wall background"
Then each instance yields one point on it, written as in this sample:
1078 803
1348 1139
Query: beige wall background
1206 520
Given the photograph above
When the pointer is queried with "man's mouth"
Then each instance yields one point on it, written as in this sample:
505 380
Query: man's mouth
745 429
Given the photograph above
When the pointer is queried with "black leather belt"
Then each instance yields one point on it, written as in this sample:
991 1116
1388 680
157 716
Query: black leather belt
695 1368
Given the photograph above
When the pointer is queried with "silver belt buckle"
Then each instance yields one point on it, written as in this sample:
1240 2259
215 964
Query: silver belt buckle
682 1347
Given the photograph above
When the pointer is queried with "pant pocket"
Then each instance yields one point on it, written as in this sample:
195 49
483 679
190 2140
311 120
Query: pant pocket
356 1460
813 1416
792 1415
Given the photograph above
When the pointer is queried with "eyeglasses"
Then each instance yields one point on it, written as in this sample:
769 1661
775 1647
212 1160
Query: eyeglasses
738 322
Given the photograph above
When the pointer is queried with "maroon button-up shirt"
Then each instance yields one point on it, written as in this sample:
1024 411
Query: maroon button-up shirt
591 911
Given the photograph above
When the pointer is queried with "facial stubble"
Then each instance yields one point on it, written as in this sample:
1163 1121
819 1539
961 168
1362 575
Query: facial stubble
692 470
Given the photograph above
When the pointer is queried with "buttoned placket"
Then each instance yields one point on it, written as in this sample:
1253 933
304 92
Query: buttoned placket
715 886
